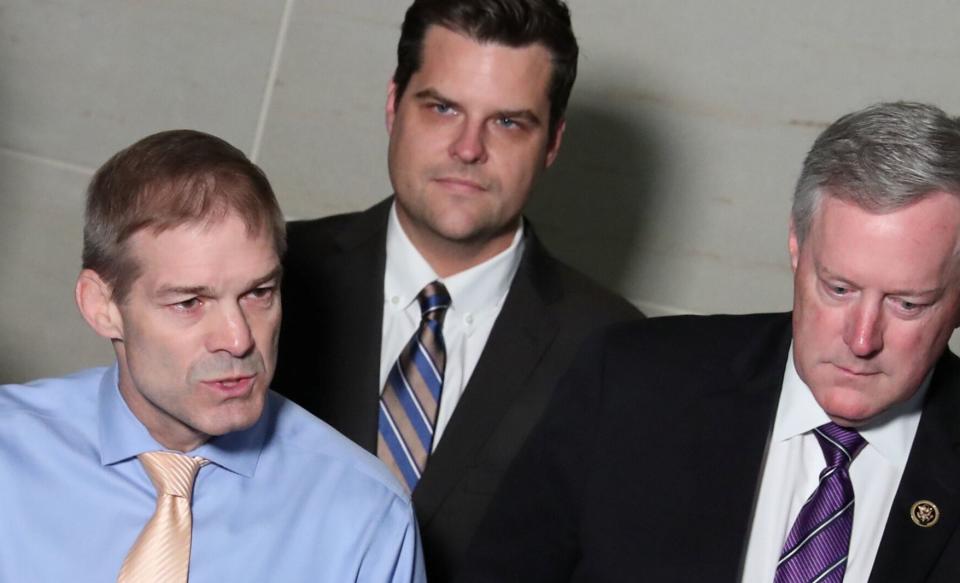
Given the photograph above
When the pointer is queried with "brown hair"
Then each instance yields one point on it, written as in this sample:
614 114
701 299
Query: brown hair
514 23
164 181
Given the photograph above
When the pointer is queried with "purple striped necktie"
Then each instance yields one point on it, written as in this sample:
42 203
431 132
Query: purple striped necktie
817 546
411 394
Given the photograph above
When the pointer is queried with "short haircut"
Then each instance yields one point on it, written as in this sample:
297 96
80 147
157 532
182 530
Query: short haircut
164 181
514 23
881 158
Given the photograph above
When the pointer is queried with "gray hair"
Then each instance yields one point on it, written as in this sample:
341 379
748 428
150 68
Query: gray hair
881 158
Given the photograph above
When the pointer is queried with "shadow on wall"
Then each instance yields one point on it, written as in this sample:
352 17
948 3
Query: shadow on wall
592 206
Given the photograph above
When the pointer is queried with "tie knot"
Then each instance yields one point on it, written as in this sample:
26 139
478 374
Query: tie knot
839 444
172 473
434 301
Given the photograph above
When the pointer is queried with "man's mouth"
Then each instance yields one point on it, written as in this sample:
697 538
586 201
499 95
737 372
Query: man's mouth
232 385
856 371
460 184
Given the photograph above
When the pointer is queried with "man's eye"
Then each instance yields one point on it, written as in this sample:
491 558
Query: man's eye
262 293
442 108
908 306
507 122
186 305
839 290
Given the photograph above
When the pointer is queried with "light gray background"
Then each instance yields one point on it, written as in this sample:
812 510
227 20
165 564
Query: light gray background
686 130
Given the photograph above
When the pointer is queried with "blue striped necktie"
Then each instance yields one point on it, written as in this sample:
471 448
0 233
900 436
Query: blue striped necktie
411 395
817 546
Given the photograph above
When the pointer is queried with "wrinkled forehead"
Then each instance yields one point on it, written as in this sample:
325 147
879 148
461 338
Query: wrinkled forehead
911 245
195 253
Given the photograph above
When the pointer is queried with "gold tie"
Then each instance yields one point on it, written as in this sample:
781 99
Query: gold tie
162 551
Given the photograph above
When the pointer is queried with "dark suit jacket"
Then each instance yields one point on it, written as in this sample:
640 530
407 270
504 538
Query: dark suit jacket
330 362
647 464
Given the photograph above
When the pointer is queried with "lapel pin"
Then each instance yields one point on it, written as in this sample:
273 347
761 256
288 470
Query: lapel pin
924 513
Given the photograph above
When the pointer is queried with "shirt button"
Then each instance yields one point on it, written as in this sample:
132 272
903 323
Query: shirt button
468 319
395 300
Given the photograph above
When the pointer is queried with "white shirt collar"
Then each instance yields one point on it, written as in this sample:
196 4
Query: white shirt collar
891 434
483 285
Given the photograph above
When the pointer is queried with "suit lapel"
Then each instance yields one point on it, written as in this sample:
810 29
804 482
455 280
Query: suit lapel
356 311
523 330
909 553
738 421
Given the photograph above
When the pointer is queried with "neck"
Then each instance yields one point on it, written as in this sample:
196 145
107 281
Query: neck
449 257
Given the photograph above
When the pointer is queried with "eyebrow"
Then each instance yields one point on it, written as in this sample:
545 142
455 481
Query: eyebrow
431 93
203 290
524 114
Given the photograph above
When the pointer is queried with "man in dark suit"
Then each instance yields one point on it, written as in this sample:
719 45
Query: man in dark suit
733 448
475 113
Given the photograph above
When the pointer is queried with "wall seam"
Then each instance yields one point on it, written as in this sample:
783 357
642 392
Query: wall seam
59 164
271 80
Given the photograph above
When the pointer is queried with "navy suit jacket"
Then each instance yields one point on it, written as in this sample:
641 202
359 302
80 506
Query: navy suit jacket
329 362
647 464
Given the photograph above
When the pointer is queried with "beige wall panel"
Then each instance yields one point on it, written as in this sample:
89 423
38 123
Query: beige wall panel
689 124
79 79
687 129
325 144
41 331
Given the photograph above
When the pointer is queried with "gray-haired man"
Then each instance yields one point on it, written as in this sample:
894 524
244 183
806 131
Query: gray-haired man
817 446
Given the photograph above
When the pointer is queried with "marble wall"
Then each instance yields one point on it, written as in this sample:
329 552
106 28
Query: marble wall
685 132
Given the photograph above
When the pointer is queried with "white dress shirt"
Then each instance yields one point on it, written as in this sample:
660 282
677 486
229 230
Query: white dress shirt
792 468
476 294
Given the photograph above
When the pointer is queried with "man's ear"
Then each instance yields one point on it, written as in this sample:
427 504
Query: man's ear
391 109
553 148
94 297
794 246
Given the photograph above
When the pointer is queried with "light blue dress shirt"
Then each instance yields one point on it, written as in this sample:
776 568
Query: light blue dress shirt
287 500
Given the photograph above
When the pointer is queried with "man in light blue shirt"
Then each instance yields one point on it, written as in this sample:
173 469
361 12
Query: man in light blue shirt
182 246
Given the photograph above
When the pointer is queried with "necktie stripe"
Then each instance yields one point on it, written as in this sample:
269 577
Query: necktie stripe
411 395
816 547
404 397
830 496
429 351
422 392
827 472
392 453
402 459
840 447
431 339
818 530
830 570
429 372
401 425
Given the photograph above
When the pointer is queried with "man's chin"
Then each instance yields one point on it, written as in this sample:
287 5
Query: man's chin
847 406
235 417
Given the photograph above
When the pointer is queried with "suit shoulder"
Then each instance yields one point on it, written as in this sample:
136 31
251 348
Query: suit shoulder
589 295
312 232
721 337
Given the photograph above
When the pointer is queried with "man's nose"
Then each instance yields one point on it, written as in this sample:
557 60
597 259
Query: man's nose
863 332
469 144
231 332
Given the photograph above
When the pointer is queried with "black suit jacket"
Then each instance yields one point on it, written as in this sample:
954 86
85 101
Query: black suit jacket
648 461
330 362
